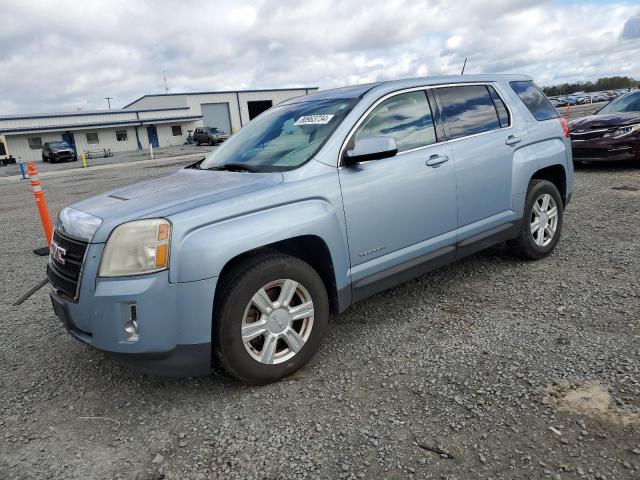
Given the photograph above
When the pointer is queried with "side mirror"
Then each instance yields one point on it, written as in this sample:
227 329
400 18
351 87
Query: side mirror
372 148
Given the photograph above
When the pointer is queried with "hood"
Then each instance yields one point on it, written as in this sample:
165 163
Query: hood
164 196
61 149
604 121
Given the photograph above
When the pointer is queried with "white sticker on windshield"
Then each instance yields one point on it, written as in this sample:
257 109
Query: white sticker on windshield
314 120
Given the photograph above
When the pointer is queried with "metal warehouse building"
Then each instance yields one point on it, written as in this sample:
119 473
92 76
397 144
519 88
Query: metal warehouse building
158 120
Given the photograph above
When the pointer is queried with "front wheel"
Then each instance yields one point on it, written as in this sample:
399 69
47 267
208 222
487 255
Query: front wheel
541 223
270 318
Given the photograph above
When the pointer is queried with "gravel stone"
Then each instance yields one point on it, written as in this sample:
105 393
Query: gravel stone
476 359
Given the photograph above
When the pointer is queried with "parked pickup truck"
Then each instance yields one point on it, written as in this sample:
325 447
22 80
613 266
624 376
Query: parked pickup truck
238 260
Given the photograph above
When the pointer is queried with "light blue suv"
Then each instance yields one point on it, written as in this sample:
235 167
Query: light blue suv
238 260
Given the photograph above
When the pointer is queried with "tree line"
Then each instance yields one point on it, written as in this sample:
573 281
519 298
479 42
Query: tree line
605 83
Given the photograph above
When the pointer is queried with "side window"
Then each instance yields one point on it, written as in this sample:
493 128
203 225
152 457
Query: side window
92 138
405 117
536 101
468 110
35 143
503 113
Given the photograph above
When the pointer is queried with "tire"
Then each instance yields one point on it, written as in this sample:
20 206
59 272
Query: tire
198 144
234 308
210 142
528 244
44 159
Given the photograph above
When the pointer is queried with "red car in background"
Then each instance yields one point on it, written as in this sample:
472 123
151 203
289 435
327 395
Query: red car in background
610 134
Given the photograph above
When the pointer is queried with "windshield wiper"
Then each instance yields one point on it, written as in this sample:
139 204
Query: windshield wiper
234 167
196 165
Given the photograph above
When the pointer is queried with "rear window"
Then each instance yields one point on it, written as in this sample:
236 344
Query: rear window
468 110
536 101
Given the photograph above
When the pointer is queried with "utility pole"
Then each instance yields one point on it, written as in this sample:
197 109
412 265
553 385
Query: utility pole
108 99
166 88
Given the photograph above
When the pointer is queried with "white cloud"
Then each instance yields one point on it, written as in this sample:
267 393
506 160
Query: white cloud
70 54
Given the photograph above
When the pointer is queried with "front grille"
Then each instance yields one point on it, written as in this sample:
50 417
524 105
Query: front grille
616 149
65 277
589 152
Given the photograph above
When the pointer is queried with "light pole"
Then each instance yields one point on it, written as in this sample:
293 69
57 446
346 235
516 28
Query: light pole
108 99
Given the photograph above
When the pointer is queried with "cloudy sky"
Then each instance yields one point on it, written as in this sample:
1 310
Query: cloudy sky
69 55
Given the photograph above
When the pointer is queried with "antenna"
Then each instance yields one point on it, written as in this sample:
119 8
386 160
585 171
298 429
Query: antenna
166 88
108 99
464 65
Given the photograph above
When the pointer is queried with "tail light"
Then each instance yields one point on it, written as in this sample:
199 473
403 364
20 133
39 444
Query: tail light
565 127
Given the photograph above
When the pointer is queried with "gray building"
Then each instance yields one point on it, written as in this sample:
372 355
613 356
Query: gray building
228 110
158 120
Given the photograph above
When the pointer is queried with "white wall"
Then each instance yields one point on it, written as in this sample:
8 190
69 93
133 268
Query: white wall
18 145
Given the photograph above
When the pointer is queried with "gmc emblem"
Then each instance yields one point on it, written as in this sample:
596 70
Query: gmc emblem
57 253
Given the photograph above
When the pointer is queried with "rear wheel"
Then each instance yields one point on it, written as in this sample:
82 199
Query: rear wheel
541 223
271 316
210 142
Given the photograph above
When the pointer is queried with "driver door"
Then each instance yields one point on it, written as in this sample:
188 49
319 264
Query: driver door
400 212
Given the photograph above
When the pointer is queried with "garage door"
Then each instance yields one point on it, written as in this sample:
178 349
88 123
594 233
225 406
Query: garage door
216 115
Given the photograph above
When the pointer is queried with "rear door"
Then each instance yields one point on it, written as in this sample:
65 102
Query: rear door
480 130
400 211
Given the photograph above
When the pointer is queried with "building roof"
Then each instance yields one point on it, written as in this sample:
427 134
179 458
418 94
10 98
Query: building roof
220 91
85 126
83 113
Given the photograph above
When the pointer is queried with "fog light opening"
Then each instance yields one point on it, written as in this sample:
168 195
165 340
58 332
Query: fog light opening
131 327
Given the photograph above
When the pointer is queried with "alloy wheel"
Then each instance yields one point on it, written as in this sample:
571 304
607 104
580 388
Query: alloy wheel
544 220
277 321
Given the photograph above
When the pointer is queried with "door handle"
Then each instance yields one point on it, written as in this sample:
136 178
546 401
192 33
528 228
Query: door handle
511 140
436 160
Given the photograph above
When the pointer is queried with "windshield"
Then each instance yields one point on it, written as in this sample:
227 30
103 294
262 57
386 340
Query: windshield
58 145
626 103
282 138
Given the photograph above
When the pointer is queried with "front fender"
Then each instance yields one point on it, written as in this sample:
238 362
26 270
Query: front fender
202 251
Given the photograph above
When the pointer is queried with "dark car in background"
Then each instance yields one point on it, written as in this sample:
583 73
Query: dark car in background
610 134
58 152
209 135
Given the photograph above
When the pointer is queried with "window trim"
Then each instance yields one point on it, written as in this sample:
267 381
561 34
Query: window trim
426 88
510 118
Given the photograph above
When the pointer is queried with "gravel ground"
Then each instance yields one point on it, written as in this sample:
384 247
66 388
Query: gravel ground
489 368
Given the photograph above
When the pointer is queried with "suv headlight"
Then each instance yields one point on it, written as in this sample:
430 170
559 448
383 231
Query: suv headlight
622 131
136 248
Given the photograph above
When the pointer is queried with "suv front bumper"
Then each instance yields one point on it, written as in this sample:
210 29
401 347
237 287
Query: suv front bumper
174 320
